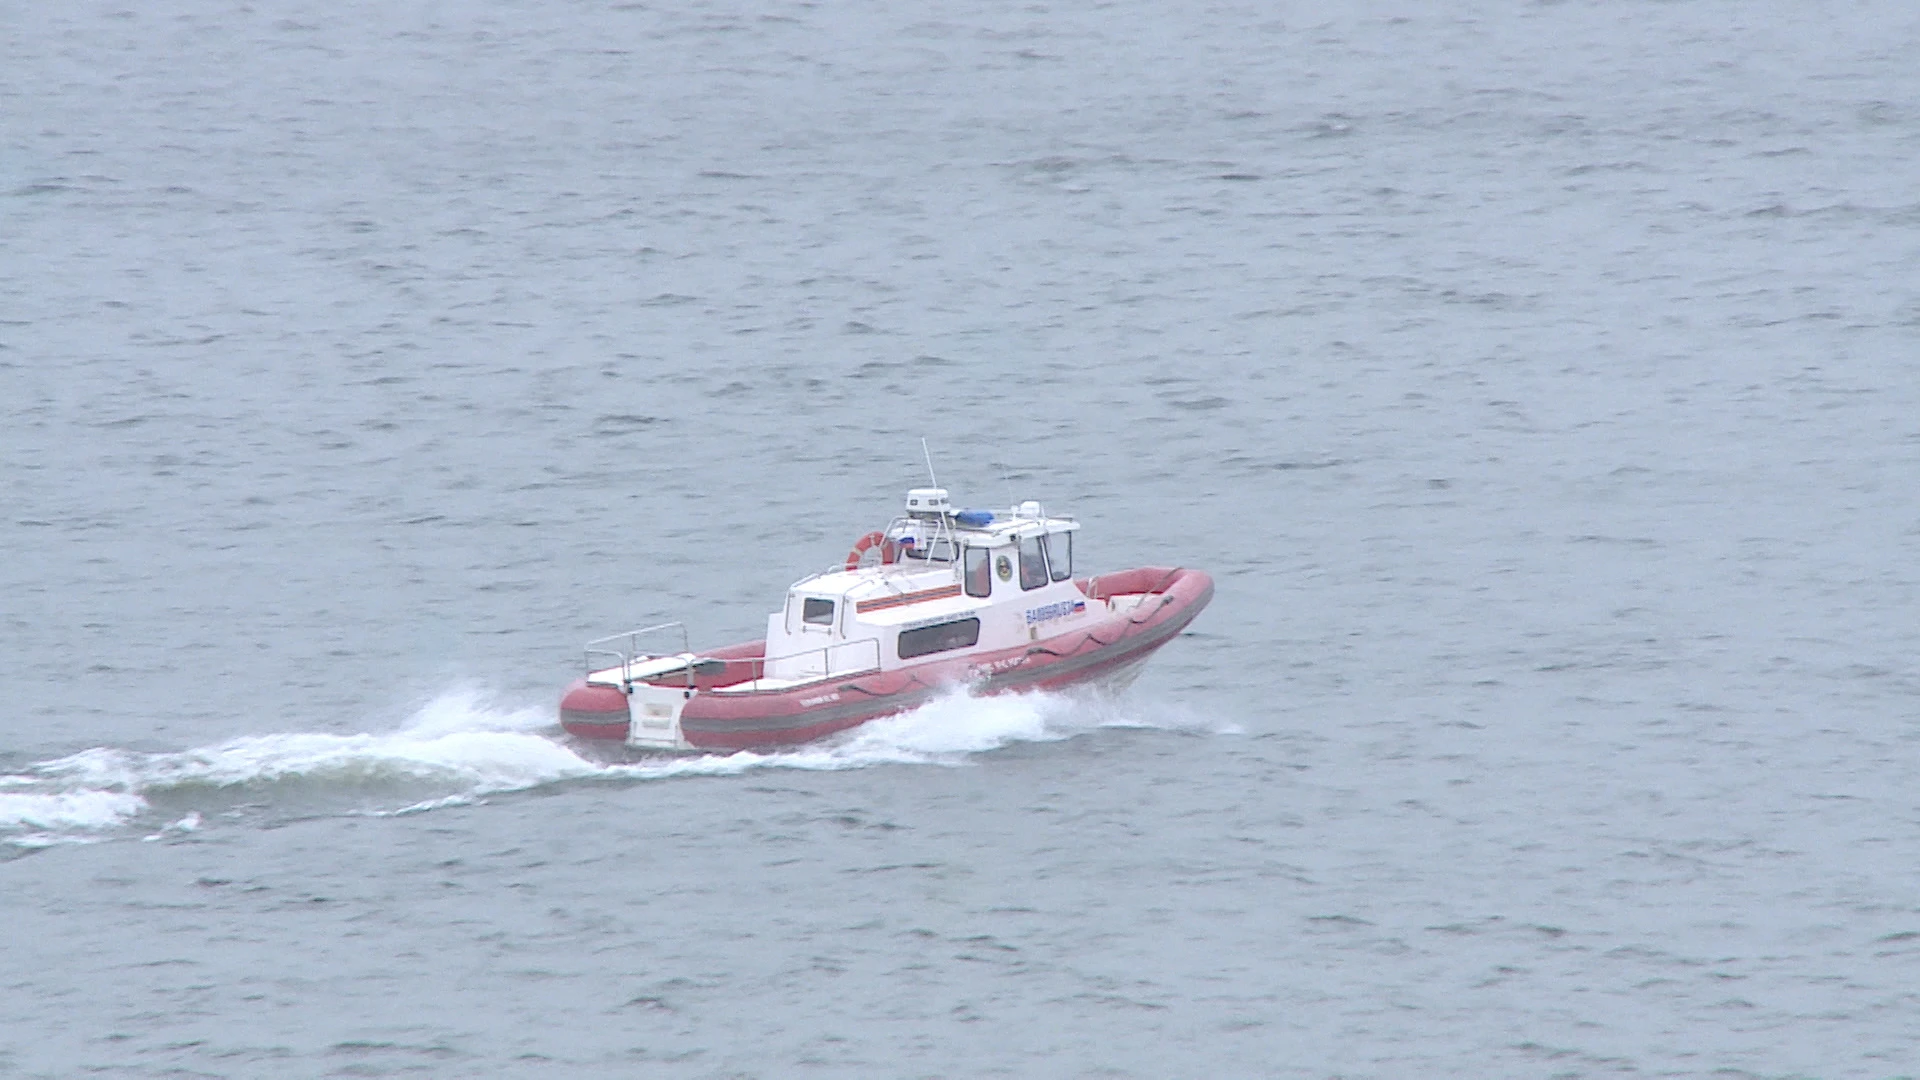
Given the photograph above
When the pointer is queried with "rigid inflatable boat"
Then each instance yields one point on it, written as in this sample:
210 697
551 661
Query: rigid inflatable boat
975 598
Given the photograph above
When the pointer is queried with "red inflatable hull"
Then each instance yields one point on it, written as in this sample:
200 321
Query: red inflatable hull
754 719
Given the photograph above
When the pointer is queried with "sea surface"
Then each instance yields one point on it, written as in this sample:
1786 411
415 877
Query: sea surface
1540 382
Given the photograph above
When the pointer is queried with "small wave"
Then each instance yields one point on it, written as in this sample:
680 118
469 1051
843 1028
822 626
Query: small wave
67 810
457 750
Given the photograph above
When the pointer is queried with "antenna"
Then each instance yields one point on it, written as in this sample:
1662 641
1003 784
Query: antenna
932 480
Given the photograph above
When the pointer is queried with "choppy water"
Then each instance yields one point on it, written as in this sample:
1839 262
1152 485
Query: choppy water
1538 381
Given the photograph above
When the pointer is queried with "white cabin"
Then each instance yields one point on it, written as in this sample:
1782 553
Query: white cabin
971 581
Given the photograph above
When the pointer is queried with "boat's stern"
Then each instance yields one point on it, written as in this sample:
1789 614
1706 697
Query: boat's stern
603 706
654 716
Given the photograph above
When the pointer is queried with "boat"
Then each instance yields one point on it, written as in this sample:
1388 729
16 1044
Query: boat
976 598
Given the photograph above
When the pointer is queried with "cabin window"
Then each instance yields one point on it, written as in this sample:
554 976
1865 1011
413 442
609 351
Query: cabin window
939 637
979 572
1033 563
817 611
1059 554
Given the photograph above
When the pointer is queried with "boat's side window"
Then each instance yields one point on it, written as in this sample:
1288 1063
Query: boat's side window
979 572
1060 554
1033 563
817 611
939 638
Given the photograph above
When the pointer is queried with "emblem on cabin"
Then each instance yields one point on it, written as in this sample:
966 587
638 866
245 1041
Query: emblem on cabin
1004 567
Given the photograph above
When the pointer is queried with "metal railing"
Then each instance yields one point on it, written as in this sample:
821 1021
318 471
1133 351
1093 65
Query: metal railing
633 652
943 533
840 658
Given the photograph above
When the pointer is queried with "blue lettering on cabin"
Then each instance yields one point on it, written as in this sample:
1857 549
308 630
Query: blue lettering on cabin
1054 611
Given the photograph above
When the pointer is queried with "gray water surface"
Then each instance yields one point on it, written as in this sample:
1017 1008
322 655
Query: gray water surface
1538 381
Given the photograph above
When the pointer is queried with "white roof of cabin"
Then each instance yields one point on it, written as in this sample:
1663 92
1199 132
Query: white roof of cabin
1006 528
873 582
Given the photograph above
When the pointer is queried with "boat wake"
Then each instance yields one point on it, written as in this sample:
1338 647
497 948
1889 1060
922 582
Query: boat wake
459 750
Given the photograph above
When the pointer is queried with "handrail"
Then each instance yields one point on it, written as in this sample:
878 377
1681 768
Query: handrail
632 652
680 626
943 531
758 664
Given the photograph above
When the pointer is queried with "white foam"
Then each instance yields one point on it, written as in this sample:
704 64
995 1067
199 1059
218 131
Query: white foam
958 724
67 809
458 748
455 741
452 739
948 730
465 710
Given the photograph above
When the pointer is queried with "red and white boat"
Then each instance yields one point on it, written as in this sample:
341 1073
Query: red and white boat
938 598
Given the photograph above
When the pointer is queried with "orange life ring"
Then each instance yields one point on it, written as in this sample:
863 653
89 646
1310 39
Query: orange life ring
889 551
